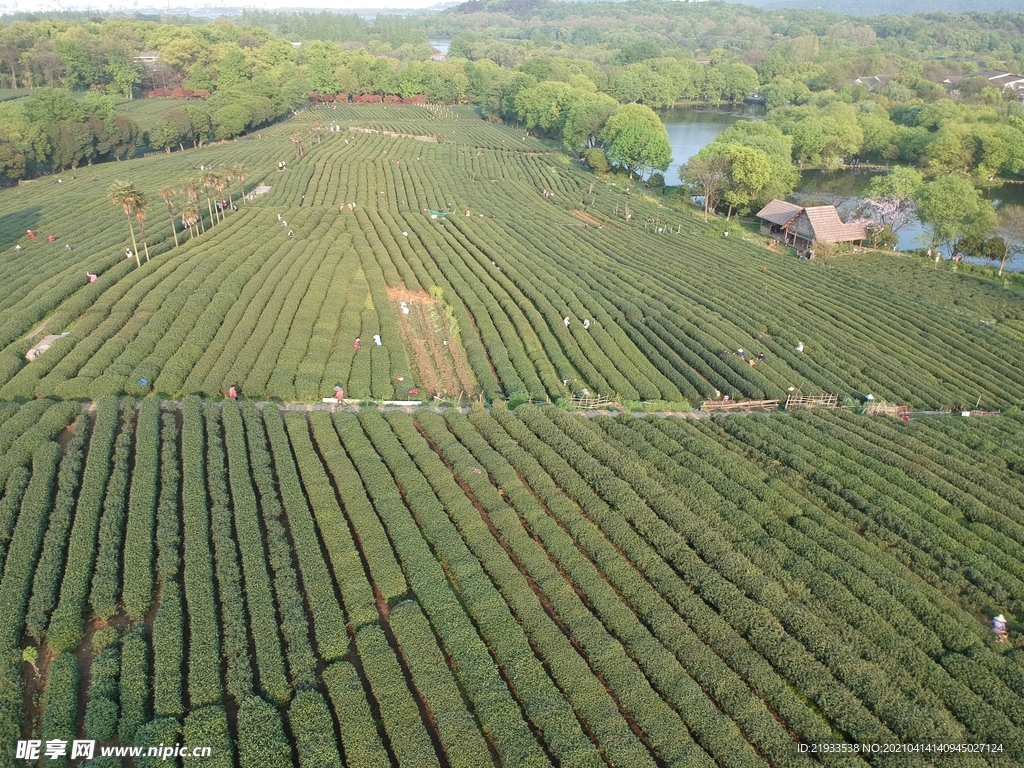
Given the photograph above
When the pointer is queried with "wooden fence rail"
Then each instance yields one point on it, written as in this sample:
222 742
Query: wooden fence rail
812 401
739 405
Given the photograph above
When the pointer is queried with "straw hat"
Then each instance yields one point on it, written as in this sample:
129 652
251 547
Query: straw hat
1000 617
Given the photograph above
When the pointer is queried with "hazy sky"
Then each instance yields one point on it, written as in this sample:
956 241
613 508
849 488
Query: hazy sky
365 6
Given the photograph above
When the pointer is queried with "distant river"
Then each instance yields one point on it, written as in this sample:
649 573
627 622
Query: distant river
441 44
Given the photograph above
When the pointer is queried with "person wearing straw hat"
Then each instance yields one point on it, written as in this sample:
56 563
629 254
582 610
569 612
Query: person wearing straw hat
999 627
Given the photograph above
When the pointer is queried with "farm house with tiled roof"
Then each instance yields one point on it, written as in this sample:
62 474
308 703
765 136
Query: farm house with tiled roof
799 227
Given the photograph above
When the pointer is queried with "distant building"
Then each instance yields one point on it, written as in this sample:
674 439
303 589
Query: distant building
873 81
1002 78
438 56
799 227
148 58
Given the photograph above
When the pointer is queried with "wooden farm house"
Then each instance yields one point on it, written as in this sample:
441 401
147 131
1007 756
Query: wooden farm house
799 227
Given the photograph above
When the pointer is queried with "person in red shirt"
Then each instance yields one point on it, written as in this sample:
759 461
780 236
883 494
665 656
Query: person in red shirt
232 392
31 234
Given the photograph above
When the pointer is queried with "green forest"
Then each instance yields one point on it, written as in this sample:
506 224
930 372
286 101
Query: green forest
913 91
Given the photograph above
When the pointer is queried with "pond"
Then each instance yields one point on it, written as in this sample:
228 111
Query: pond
691 128
441 44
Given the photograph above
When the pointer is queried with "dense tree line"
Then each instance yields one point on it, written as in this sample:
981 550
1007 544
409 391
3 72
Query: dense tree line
559 69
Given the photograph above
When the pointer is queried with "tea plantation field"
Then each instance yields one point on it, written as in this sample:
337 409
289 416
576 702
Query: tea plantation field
509 584
488 293
523 587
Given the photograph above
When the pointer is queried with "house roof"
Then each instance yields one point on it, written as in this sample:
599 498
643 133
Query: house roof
819 222
873 81
822 223
1001 76
779 212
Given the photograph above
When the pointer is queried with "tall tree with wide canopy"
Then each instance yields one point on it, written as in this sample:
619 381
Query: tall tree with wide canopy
775 147
954 209
750 173
129 197
707 177
636 139
585 118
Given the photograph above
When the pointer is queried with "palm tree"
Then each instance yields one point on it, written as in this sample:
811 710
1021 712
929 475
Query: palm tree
207 179
240 173
297 141
219 180
141 207
191 188
318 127
189 218
167 193
228 174
127 195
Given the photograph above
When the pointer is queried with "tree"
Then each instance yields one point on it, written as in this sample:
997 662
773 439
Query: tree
218 182
585 118
740 81
321 76
230 121
128 196
124 76
597 160
141 208
209 180
776 147
176 128
123 136
1011 230
192 188
953 208
749 173
636 139
200 126
190 218
544 105
240 172
707 177
166 194
30 655
890 198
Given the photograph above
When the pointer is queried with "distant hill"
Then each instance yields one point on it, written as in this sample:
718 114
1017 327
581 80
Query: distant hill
879 7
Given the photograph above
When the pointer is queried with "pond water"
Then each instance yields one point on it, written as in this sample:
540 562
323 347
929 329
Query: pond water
691 128
441 44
